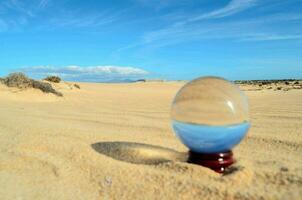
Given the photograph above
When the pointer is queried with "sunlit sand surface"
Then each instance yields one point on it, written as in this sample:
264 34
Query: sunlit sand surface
114 141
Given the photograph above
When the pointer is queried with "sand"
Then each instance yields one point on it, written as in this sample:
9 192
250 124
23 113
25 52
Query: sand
114 141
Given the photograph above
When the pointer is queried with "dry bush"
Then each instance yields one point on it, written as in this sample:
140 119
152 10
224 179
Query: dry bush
45 87
54 79
18 80
21 81
77 86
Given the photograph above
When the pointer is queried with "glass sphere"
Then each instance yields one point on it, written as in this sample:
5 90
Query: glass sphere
210 115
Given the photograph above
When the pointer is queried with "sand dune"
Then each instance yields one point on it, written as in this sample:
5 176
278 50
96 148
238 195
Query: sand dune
114 141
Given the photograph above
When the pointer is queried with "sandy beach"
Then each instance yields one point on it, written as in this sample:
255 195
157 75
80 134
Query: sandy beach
114 141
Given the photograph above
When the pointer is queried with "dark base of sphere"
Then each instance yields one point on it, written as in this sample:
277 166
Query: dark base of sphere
215 161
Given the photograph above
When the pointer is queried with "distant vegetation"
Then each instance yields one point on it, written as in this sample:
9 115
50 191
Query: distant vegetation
267 82
21 81
141 80
54 79
148 80
283 84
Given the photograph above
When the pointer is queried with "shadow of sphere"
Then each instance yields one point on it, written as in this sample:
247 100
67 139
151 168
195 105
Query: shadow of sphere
139 153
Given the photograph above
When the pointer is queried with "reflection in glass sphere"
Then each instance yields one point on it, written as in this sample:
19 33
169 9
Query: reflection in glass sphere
210 115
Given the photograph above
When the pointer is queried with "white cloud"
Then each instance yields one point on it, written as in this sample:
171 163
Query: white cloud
68 19
19 6
268 37
188 27
15 14
43 3
61 17
91 74
161 4
234 6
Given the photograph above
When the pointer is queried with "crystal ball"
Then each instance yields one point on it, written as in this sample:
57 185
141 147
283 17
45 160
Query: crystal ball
210 115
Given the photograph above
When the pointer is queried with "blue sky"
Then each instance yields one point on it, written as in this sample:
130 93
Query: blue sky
168 39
